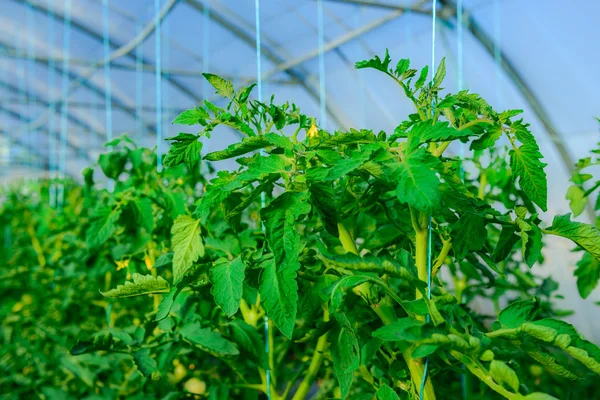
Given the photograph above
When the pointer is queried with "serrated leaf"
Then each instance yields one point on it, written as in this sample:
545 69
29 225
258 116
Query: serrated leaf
526 164
223 87
506 242
533 248
577 199
187 245
248 339
228 284
141 284
346 165
102 225
407 328
584 235
488 139
402 66
504 375
279 296
426 131
143 213
193 116
386 393
422 77
418 184
185 148
345 352
145 364
323 200
440 73
588 274
280 220
376 62
518 312
164 307
208 340
468 234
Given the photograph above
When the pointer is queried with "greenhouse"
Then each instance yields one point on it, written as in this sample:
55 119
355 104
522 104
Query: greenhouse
299 199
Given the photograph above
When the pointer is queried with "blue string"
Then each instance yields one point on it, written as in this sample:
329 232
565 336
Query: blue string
262 195
107 81
64 102
322 86
51 121
139 81
428 318
31 98
158 84
497 51
205 46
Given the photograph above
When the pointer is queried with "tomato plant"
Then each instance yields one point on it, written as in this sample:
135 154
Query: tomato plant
363 255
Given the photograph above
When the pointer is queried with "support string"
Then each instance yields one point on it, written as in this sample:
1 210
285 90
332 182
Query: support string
139 91
205 44
65 105
262 195
322 87
158 83
31 92
425 369
52 156
107 80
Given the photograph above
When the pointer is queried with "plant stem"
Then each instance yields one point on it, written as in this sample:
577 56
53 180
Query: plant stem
446 246
387 315
483 181
315 363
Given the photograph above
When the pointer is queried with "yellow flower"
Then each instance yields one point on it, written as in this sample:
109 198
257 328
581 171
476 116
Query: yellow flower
313 132
122 264
148 262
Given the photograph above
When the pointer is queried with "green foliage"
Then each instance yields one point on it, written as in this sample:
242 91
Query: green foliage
326 234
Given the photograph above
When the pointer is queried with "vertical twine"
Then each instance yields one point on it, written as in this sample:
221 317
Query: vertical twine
158 83
107 79
205 46
498 52
322 85
30 79
139 91
425 370
262 195
64 103
52 156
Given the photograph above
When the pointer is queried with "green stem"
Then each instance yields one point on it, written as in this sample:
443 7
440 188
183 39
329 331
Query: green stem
387 315
315 363
483 181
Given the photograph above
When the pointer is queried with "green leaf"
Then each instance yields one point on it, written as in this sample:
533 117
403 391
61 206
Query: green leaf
112 164
506 243
223 87
164 308
533 248
376 63
102 225
526 164
145 364
424 350
407 328
402 66
418 184
187 245
577 199
518 312
248 339
504 375
228 284
386 393
347 165
427 131
422 77
323 200
280 220
193 116
143 213
185 148
208 340
279 296
588 274
243 94
584 235
440 74
488 139
345 352
468 234
142 284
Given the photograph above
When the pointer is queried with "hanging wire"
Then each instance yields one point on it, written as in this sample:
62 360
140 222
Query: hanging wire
205 46
322 87
139 89
107 80
164 71
158 83
52 121
66 67
30 79
22 84
262 195
433 26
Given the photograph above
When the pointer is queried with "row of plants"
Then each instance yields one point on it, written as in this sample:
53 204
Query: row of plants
360 258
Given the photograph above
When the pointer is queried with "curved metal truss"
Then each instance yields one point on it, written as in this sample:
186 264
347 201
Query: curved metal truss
293 68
